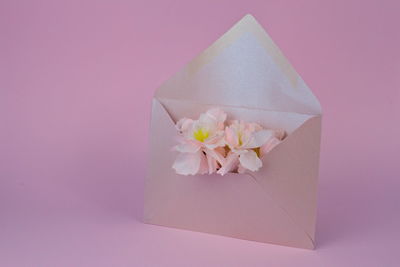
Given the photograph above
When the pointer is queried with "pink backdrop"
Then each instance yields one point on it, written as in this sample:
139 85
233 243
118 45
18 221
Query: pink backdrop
76 81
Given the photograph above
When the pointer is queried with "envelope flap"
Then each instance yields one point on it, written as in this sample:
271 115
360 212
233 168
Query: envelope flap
243 68
294 188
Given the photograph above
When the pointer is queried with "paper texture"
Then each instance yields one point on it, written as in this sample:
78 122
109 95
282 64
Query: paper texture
246 75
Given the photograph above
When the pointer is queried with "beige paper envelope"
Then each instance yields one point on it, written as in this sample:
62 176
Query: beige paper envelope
246 75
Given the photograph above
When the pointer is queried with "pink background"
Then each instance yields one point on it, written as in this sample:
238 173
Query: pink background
76 81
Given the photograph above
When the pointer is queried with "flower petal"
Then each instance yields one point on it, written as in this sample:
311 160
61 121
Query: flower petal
250 161
259 138
267 147
216 141
207 121
184 124
188 163
231 163
203 164
216 155
212 164
231 138
187 147
241 169
280 134
218 115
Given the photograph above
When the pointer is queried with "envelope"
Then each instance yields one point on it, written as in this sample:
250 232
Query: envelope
245 74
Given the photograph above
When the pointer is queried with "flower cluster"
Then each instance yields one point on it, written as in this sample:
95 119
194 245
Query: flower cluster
207 145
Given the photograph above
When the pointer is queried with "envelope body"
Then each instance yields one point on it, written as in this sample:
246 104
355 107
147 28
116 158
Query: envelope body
246 75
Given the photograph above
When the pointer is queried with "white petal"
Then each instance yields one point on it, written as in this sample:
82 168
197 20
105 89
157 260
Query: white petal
250 161
184 124
206 121
259 138
216 141
218 115
188 163
187 147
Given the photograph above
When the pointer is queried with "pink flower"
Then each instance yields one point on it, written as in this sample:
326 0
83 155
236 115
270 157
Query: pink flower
201 143
247 143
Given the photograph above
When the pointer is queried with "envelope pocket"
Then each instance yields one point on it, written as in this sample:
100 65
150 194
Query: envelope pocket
260 207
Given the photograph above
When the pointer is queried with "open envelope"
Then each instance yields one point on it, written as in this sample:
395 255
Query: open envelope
246 75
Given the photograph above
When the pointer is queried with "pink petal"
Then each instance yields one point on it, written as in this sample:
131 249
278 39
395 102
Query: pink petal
188 163
221 151
203 164
231 137
267 147
230 164
280 134
241 169
252 126
212 164
216 155
250 161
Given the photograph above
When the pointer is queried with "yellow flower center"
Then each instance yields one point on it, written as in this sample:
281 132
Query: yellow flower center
240 138
201 135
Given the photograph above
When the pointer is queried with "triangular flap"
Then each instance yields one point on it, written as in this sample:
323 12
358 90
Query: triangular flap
242 68
294 188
